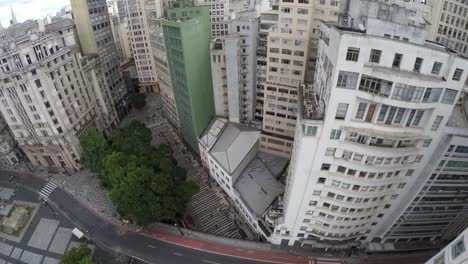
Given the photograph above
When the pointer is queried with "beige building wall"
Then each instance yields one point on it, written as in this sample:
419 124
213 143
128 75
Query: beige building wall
84 28
291 58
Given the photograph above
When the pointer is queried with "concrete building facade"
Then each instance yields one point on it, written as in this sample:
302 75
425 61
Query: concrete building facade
50 93
449 24
219 16
95 36
187 37
9 154
291 58
140 41
367 128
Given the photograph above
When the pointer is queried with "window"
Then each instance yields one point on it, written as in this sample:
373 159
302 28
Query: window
38 83
375 56
397 60
361 110
375 86
436 123
432 95
325 166
458 248
418 64
341 111
407 93
441 258
449 96
321 180
335 134
353 54
436 67
347 80
330 151
457 74
310 130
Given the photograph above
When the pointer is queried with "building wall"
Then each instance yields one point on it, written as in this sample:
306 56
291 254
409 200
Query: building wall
187 47
449 24
50 94
219 75
9 155
351 185
291 60
219 15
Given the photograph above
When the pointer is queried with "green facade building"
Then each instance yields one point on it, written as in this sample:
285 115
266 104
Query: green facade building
187 34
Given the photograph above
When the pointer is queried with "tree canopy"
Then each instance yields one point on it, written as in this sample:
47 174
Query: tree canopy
145 182
94 150
78 255
138 100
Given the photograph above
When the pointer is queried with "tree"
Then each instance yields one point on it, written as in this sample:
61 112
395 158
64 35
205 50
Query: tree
133 139
138 100
94 148
78 255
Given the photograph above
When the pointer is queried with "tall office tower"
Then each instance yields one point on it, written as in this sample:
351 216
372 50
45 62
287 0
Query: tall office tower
291 59
241 64
187 37
140 41
219 77
454 253
122 11
439 212
367 127
9 154
117 36
219 15
50 93
155 12
95 37
268 20
449 24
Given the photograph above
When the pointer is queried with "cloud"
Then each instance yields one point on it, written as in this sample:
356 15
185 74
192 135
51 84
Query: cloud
29 9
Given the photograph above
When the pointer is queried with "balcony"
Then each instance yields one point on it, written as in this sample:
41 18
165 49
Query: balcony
312 106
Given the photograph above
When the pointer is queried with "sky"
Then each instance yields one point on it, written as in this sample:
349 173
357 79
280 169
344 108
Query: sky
29 9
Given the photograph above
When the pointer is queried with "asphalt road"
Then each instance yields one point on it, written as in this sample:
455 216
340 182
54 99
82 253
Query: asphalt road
108 235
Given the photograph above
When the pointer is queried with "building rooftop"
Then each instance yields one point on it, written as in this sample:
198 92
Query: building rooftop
213 131
233 145
258 184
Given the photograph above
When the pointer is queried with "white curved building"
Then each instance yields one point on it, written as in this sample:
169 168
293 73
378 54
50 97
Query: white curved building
367 127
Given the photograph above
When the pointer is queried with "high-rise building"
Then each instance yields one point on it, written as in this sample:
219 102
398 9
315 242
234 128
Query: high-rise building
367 128
241 64
50 93
439 211
219 15
449 24
95 36
268 19
187 37
291 59
155 13
454 253
140 41
121 10
117 36
219 76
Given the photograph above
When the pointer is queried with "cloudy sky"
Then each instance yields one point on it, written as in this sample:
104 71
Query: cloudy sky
29 9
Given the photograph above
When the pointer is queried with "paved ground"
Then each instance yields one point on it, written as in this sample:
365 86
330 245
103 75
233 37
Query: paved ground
46 238
209 211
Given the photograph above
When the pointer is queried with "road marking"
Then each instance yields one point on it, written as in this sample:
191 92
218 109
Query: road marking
177 254
212 262
151 246
48 189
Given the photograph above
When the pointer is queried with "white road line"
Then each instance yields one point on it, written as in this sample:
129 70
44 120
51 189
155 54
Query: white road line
212 262
177 254
151 246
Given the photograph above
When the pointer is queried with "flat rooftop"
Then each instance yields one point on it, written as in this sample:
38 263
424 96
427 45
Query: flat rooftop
258 184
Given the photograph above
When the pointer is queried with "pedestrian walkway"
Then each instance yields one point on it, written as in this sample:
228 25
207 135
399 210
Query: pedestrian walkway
47 190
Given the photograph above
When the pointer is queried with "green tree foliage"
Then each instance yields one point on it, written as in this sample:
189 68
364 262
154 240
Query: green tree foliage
78 255
138 100
94 149
142 178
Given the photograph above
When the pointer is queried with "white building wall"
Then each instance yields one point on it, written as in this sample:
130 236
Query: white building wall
320 215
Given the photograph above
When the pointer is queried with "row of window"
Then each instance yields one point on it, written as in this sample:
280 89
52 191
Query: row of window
375 55
365 174
373 160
